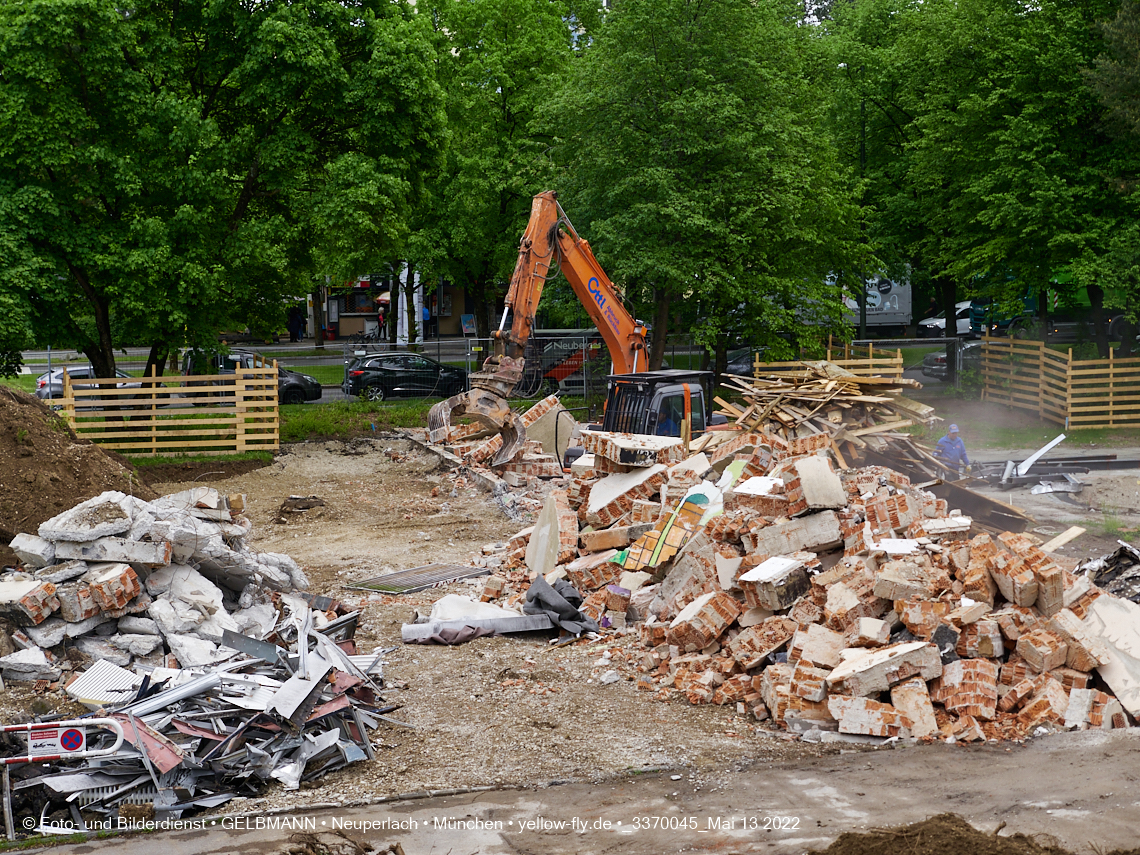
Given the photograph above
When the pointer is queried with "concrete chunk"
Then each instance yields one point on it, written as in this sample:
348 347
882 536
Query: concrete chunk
113 586
27 601
49 633
633 449
102 516
1115 623
31 664
869 632
137 644
138 625
810 533
117 549
809 682
191 651
775 584
33 551
1043 650
1079 711
57 574
817 645
1085 651
544 546
703 621
911 698
868 672
612 497
861 715
101 649
175 617
814 486
753 645
615 537
901 580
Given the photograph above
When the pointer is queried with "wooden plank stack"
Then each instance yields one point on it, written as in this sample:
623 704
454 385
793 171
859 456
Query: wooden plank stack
821 398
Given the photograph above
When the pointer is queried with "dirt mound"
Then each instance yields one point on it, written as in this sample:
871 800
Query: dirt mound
45 468
945 834
205 471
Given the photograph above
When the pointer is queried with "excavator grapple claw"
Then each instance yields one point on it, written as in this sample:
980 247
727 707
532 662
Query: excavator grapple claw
487 408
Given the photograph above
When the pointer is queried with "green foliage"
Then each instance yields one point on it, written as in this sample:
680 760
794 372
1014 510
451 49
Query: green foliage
499 60
179 169
984 148
1116 78
691 152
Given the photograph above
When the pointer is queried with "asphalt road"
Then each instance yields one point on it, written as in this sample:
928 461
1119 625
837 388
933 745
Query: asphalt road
1076 787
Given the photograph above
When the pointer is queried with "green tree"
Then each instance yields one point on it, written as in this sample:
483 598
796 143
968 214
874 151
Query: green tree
998 164
499 61
694 153
179 168
1116 76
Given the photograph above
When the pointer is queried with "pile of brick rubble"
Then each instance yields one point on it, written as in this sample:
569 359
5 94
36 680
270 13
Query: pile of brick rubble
817 598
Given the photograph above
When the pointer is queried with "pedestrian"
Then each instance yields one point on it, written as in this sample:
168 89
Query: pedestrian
952 451
932 309
295 324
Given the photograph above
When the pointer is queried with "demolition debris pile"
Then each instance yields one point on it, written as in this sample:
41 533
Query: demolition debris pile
290 709
220 672
120 580
774 574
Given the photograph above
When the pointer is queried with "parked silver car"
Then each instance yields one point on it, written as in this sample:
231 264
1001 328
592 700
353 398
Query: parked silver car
934 364
51 385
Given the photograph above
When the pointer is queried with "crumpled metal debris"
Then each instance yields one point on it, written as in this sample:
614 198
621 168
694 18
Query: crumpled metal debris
1117 572
291 706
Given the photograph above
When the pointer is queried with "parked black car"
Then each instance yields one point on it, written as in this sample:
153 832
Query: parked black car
379 376
292 386
934 364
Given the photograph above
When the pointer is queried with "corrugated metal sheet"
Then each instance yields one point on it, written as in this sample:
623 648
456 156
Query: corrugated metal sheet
104 683
418 578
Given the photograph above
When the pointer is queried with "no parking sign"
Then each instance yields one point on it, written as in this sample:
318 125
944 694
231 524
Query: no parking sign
56 740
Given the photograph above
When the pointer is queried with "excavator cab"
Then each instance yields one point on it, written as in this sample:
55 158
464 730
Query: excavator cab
657 402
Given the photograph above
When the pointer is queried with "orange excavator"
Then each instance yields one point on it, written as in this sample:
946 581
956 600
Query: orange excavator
642 400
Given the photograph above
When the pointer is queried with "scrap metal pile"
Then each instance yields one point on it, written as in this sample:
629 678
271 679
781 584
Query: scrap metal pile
772 568
221 672
289 708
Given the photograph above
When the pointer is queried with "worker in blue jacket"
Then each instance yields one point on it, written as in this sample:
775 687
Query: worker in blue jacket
952 451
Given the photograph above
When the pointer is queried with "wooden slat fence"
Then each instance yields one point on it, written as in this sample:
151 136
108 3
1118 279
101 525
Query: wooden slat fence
1084 393
862 361
197 414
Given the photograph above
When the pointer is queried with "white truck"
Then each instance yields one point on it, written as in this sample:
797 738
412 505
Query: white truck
888 306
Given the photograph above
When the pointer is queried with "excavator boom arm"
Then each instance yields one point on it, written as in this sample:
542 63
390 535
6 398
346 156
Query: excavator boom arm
543 243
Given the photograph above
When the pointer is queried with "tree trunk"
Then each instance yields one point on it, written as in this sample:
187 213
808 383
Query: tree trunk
410 305
156 360
478 291
660 329
100 352
1127 338
1100 334
947 287
393 317
319 316
720 359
